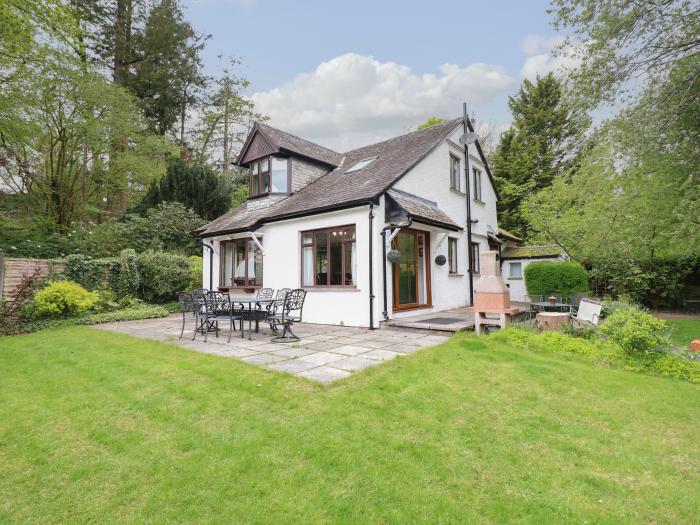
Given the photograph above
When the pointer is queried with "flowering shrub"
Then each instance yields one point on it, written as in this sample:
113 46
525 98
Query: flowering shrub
636 331
64 298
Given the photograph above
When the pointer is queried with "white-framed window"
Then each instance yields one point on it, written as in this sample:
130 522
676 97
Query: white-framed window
455 173
515 270
452 254
476 174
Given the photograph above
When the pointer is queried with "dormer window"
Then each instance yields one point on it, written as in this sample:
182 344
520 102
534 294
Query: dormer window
359 165
269 175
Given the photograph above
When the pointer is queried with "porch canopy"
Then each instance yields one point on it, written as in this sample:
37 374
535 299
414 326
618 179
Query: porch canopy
402 206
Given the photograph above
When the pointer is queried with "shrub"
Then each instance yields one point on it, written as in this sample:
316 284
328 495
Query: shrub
125 274
162 275
636 331
195 272
84 270
602 353
64 298
19 297
564 278
611 306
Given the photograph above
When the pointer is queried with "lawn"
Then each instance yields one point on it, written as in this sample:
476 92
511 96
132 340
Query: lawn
684 331
99 427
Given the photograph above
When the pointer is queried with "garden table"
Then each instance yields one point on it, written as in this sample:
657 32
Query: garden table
250 301
546 306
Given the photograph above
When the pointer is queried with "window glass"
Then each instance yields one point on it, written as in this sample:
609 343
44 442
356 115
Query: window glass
477 184
475 256
455 178
516 270
279 176
239 264
226 259
307 263
322 258
255 264
265 175
359 165
253 188
452 255
328 257
336 257
350 263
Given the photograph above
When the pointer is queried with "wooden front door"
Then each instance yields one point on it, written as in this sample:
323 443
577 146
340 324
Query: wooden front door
411 274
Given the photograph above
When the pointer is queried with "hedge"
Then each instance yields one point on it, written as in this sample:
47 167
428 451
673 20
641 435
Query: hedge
564 278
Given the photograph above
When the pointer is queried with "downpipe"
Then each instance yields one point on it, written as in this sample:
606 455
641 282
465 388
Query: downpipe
371 267
211 262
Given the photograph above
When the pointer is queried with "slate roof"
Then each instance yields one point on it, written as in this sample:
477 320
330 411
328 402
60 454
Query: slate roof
294 144
422 210
507 235
532 252
338 189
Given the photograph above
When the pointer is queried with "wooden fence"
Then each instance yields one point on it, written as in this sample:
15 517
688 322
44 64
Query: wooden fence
12 269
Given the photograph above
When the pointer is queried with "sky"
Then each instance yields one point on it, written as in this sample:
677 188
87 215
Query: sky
348 73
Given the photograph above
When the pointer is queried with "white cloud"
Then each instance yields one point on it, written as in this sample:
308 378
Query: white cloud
541 59
354 99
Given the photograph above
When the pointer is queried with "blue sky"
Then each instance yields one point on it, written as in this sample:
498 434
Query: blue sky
347 73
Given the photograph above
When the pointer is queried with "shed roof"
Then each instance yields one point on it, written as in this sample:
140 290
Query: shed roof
533 252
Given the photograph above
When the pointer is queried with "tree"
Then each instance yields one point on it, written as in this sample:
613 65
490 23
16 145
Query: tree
623 46
196 186
226 119
631 209
542 143
168 74
432 121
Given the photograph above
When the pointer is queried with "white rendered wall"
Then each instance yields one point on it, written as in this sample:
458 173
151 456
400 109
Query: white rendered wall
430 179
282 265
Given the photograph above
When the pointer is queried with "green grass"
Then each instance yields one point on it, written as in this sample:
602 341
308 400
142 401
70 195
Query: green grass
684 331
103 428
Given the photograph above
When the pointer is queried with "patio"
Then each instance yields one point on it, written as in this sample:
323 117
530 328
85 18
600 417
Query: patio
324 353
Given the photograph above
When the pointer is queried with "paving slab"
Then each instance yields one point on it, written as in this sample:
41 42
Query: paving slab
324 374
292 366
354 363
263 359
321 358
292 352
380 355
351 350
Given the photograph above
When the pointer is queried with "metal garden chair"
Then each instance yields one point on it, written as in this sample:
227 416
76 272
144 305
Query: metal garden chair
289 313
190 310
218 307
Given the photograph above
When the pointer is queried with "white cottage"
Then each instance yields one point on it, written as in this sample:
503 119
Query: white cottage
324 221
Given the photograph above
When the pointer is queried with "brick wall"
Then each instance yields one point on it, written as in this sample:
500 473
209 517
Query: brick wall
12 269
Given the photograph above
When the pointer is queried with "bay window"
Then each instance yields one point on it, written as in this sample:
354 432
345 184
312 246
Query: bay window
328 257
268 175
241 264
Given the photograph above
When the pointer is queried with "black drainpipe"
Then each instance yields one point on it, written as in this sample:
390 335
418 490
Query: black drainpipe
211 262
371 285
470 255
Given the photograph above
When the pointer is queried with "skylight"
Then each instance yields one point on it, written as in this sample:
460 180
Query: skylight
359 165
